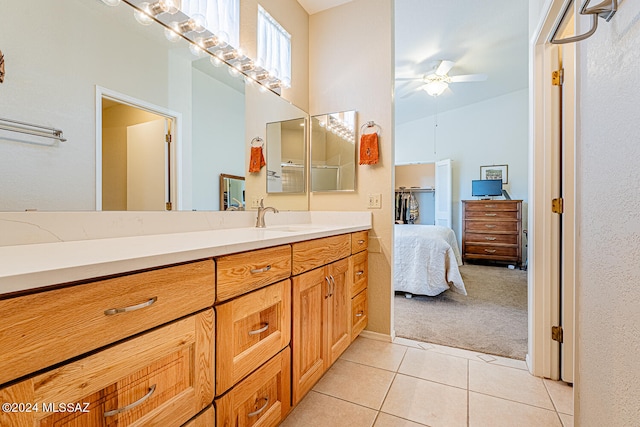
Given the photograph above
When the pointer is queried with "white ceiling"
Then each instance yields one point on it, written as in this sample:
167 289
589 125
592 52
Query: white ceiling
315 6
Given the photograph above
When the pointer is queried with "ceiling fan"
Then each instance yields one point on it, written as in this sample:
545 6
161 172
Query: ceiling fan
436 81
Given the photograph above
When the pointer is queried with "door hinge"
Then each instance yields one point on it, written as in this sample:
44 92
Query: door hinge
557 77
556 333
167 138
168 206
557 205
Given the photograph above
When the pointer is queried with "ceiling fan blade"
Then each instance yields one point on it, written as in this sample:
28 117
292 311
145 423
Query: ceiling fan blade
444 67
411 93
469 78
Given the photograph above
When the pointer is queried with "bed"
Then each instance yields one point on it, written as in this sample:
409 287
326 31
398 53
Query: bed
426 260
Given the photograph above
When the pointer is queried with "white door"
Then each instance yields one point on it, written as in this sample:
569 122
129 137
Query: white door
146 166
443 193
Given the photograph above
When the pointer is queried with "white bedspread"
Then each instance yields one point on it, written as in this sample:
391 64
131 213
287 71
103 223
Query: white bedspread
426 260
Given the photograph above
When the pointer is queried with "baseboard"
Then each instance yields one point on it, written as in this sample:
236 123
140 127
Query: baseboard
376 336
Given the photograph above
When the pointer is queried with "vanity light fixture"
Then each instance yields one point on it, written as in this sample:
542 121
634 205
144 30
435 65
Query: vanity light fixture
196 23
245 65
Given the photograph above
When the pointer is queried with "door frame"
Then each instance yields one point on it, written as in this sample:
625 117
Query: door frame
175 168
544 271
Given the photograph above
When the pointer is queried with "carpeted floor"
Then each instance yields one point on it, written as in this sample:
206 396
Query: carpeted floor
491 319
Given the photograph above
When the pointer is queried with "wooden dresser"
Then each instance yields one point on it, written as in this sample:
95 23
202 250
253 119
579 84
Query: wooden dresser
492 230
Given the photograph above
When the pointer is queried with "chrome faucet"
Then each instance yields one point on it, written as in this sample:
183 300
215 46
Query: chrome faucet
261 211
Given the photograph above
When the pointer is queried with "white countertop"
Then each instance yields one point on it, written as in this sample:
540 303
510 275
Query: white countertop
31 266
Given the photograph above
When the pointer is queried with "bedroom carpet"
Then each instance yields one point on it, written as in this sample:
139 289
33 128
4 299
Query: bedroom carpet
492 318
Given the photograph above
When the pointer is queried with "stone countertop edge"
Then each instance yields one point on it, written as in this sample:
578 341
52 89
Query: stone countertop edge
29 267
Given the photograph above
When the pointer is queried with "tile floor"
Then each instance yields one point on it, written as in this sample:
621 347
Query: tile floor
407 383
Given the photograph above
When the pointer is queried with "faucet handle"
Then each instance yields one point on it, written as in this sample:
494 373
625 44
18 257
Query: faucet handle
261 202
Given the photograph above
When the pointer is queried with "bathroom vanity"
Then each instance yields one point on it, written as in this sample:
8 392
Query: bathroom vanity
191 328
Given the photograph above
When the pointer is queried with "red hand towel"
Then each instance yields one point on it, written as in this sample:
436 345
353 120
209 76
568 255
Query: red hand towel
369 149
257 159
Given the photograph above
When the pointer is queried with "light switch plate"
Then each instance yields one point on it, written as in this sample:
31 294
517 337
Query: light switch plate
375 201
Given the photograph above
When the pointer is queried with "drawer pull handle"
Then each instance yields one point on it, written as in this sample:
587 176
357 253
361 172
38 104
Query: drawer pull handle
489 238
261 330
360 314
489 206
490 225
152 389
254 413
489 214
261 270
112 311
360 242
490 251
360 273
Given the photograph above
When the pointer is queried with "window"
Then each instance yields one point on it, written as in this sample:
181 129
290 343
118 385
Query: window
222 16
274 47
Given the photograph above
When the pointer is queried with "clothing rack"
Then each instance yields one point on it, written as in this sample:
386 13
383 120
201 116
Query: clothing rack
368 125
416 190
604 10
31 129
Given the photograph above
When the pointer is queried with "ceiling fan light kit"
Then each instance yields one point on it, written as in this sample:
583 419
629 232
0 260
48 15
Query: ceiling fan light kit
436 84
438 81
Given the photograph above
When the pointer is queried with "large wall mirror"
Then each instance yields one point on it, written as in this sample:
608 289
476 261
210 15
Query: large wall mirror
54 77
333 152
286 156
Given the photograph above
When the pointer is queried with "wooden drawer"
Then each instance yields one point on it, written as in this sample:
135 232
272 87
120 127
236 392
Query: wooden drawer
359 241
492 214
250 330
489 251
240 273
509 239
163 377
206 418
359 270
315 253
491 226
359 313
491 205
46 328
260 400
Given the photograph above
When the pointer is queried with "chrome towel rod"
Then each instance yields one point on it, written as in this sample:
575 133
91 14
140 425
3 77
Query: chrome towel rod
604 10
30 129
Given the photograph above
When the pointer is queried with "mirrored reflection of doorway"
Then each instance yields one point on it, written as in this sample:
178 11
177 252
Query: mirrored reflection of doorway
136 158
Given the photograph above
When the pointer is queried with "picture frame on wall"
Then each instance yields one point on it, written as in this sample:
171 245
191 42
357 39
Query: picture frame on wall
495 172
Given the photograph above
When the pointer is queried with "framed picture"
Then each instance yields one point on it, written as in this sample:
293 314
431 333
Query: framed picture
495 172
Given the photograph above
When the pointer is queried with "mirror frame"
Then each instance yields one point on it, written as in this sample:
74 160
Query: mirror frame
223 177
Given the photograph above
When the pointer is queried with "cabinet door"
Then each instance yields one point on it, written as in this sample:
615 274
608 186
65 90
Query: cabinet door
338 311
310 292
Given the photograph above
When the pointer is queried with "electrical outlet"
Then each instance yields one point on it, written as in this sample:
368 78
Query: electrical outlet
255 202
375 201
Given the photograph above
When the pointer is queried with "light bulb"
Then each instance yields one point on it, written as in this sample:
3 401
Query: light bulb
195 49
286 83
217 62
142 15
435 88
233 71
200 22
171 35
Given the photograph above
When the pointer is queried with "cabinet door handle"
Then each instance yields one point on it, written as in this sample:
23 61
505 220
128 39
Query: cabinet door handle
490 238
112 311
152 389
328 287
261 330
359 273
360 314
333 285
490 251
260 270
489 214
490 225
256 412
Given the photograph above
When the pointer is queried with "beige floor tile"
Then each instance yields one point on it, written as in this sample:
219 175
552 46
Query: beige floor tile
319 410
508 383
356 383
426 402
567 420
494 412
459 352
510 363
386 420
406 342
562 396
437 367
379 354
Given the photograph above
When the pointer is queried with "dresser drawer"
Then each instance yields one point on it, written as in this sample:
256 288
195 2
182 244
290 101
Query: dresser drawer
491 226
492 214
492 206
240 273
46 328
163 377
486 250
260 400
359 270
315 253
359 313
359 241
509 239
250 330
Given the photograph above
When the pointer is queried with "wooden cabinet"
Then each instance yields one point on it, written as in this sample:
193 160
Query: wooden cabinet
359 241
492 230
318 252
45 328
206 418
359 313
162 377
260 400
250 330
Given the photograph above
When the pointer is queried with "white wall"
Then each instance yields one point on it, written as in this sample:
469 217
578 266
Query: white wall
493 132
351 68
